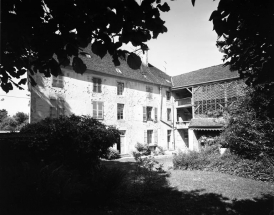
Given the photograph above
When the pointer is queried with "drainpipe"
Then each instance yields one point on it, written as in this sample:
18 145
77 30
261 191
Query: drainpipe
173 127
161 107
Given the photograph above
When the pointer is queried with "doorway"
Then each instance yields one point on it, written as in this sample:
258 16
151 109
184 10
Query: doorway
121 145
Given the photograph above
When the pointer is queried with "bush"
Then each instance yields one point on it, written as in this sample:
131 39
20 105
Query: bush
75 141
250 128
143 149
112 154
28 187
210 160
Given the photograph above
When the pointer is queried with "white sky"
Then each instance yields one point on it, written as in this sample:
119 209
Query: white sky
189 44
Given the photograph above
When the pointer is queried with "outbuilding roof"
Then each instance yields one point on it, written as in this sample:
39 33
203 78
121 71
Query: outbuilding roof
105 65
205 123
210 74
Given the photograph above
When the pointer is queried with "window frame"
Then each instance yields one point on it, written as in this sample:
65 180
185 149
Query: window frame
97 84
168 95
120 90
57 108
149 136
57 81
95 111
120 111
169 114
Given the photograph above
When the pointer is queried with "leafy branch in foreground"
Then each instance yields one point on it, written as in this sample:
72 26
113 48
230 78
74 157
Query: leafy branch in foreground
42 35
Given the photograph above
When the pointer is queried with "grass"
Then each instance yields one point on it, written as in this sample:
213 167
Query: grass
195 192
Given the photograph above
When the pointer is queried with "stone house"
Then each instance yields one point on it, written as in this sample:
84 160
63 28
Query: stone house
138 102
201 97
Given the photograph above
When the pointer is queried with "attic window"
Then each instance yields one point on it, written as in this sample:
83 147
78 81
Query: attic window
118 70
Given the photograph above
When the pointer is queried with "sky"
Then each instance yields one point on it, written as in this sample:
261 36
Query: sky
189 45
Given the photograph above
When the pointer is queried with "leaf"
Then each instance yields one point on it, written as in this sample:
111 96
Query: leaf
164 7
215 15
134 61
99 48
6 86
78 65
22 81
54 67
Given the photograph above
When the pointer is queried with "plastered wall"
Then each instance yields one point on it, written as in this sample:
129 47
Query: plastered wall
78 96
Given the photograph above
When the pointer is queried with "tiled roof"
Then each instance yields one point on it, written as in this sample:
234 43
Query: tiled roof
105 65
205 123
210 74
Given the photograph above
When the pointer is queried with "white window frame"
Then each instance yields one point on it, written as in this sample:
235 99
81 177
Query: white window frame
96 112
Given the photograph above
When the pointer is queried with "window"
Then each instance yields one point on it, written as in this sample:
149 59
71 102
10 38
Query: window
97 85
120 111
120 88
168 95
58 81
57 108
149 92
98 109
147 114
148 135
168 136
169 114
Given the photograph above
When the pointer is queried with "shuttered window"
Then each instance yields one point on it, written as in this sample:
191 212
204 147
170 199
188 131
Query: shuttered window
98 109
149 136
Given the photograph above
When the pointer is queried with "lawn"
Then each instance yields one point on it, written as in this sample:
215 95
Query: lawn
195 192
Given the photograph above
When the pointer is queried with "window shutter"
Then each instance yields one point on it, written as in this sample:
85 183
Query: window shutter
156 114
94 104
156 136
145 137
99 85
144 114
94 84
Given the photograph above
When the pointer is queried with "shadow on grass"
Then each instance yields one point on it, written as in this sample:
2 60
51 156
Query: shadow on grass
160 198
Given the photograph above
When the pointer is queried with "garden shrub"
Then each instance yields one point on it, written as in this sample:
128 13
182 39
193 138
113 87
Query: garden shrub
76 141
143 149
249 131
210 160
112 154
55 164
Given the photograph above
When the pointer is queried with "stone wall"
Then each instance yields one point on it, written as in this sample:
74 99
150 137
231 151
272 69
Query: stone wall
78 96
